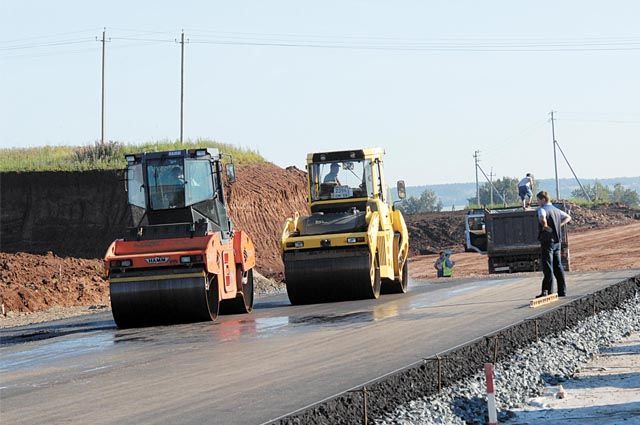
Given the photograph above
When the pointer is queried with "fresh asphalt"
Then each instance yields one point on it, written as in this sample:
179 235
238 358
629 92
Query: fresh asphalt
250 369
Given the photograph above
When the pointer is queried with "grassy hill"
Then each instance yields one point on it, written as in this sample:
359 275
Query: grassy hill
105 156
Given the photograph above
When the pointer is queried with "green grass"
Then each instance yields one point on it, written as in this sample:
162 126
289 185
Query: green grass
107 156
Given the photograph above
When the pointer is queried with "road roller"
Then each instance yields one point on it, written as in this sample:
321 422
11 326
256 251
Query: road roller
354 244
183 260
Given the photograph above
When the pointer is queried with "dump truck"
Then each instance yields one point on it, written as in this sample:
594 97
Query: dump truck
512 240
354 244
183 260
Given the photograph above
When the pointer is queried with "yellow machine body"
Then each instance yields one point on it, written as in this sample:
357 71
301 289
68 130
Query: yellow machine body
355 243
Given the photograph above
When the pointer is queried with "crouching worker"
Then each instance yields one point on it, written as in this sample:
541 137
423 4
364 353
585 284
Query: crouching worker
444 264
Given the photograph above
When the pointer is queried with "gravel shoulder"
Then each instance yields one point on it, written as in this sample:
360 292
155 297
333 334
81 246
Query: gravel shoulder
531 371
605 391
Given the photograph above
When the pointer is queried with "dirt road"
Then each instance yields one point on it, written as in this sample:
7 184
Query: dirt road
607 249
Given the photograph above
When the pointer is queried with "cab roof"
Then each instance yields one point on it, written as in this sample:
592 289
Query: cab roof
347 155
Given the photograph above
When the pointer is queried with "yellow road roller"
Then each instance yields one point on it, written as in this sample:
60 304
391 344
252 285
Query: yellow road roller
355 244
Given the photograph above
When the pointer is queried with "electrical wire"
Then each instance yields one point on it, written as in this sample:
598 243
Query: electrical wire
51 44
598 121
20 40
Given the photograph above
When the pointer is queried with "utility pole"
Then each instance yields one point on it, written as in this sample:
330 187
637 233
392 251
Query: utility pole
555 158
103 40
491 181
475 157
181 84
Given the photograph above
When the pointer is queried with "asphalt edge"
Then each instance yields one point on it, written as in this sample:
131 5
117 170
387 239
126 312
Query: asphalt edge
426 377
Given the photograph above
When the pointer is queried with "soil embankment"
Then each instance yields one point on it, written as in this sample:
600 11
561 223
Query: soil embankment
78 214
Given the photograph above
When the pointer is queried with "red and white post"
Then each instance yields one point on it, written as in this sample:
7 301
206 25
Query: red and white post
491 395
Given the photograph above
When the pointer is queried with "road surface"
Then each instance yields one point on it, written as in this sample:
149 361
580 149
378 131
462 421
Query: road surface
252 368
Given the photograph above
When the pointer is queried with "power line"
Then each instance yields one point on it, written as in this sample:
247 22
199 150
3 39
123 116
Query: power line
458 38
598 121
37 37
51 44
423 48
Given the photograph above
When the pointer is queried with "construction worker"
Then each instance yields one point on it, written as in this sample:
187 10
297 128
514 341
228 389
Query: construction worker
444 264
551 220
525 190
332 177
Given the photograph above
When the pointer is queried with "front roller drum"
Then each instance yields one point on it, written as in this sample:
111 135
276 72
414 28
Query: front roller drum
164 299
338 274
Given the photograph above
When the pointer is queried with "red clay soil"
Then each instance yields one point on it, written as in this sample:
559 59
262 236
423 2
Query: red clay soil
262 198
600 249
30 282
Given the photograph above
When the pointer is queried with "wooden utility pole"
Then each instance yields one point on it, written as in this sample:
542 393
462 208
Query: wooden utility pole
491 181
555 158
103 40
181 85
475 157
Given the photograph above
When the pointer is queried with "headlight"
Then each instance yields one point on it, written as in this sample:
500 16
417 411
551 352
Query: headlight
297 244
355 240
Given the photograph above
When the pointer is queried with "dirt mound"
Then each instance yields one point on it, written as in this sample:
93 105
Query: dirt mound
601 216
261 199
430 233
30 282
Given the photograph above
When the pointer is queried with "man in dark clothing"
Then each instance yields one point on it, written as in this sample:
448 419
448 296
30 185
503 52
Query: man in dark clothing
551 220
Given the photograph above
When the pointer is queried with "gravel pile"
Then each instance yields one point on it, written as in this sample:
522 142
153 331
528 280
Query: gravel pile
550 361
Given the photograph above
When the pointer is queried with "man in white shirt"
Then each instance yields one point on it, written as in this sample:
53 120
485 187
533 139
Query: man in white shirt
525 190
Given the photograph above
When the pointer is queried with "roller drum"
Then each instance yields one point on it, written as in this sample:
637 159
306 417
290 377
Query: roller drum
329 275
163 299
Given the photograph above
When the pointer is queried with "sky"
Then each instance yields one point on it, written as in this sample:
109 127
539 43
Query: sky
431 82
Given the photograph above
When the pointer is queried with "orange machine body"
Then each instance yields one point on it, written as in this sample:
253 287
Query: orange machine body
227 259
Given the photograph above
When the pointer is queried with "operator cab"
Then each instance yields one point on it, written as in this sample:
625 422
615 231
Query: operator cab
177 191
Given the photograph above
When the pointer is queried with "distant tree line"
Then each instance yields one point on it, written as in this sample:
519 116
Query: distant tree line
601 193
508 187
428 201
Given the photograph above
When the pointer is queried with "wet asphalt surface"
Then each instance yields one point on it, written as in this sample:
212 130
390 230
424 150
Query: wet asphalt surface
249 369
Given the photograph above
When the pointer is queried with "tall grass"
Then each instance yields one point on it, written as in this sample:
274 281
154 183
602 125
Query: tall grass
106 156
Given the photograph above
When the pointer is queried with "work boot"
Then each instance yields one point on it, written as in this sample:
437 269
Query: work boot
543 294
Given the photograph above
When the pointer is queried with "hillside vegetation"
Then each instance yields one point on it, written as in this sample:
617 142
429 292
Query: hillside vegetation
105 156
